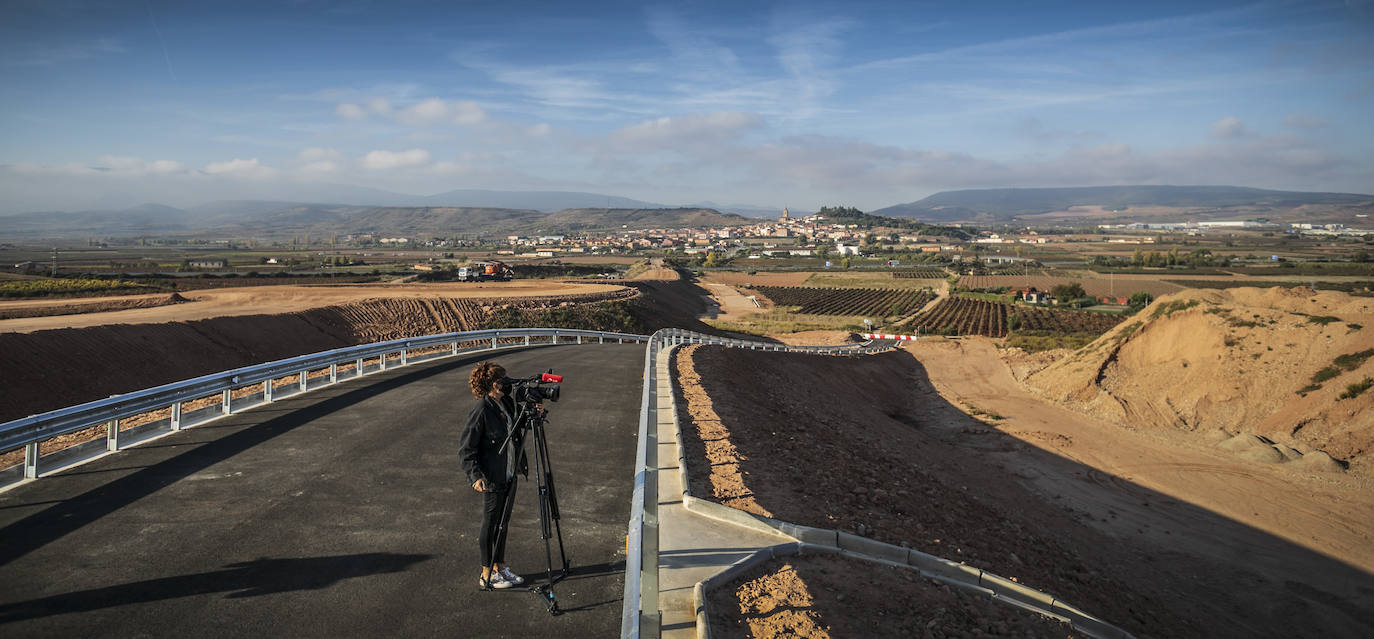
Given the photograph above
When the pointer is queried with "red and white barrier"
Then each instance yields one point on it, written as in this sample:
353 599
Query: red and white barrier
897 337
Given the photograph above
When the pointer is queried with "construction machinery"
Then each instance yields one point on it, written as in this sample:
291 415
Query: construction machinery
493 271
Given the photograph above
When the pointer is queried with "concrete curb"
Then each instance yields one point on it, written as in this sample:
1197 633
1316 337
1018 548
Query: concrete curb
812 539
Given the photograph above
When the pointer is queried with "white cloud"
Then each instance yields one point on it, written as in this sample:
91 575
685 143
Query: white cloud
237 167
350 112
467 112
136 166
112 165
1228 127
374 106
686 129
380 106
381 160
427 112
539 130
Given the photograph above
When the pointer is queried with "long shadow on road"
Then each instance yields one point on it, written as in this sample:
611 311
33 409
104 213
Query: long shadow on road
70 514
244 579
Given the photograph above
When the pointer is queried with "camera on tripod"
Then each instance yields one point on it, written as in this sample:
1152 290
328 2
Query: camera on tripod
533 390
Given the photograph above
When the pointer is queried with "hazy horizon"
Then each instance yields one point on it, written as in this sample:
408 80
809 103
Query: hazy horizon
870 104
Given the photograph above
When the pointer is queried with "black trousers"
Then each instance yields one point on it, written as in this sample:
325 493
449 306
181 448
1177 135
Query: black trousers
496 509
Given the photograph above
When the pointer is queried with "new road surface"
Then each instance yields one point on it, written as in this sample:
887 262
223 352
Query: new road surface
337 513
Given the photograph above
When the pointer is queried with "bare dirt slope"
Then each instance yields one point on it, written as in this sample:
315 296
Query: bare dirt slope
1244 361
50 369
1156 536
271 300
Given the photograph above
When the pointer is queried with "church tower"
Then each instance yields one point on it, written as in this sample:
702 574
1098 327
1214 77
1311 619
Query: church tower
784 217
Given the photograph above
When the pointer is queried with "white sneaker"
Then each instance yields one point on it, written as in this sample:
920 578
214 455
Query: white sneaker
499 581
512 577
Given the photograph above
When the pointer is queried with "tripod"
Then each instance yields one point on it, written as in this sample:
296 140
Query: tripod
528 418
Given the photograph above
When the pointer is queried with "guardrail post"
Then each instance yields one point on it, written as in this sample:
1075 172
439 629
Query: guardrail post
333 373
381 365
225 404
267 391
493 342
454 350
579 339
31 460
176 416
555 337
112 435
358 370
405 356
301 382
527 340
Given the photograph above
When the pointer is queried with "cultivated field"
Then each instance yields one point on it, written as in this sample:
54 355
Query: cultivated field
1117 287
273 300
968 316
847 301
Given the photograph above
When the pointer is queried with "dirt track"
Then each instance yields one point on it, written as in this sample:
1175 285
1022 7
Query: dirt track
270 300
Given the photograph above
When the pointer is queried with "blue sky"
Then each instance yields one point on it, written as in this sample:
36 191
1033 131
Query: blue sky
791 103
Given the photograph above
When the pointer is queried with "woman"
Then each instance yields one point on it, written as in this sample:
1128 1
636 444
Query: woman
491 463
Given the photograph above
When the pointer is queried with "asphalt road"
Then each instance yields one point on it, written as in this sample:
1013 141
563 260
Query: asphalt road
338 513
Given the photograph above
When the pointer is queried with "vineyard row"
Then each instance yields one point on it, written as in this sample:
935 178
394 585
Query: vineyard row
967 316
848 301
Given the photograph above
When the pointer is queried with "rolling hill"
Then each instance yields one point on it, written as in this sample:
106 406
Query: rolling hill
993 205
256 218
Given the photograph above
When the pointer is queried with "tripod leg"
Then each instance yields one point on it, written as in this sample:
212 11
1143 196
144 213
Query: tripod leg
547 470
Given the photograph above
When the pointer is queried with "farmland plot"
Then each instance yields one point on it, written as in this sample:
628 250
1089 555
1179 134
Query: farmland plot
920 274
968 316
847 301
1121 287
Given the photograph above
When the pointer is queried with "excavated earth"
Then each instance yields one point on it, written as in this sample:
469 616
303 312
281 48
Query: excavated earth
49 369
1239 366
939 448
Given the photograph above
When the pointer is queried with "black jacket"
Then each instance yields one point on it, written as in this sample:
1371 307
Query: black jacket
485 433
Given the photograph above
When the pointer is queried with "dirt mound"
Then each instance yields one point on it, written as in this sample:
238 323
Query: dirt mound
80 307
817 338
1273 363
46 370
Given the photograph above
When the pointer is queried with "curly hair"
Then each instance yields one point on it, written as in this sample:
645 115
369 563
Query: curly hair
482 378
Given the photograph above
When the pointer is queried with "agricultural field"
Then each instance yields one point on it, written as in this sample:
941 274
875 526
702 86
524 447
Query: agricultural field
871 279
921 274
968 316
1105 287
1360 288
68 287
847 301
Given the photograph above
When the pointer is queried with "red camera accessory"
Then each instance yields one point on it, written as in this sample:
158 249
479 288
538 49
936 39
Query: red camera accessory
550 377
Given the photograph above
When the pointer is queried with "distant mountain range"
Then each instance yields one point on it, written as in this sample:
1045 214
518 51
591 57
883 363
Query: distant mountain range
267 219
1005 205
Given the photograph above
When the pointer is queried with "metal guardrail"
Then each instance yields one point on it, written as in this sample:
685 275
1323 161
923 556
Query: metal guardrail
639 617
30 431
640 612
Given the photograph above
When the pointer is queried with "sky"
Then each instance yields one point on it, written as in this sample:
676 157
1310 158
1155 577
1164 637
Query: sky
800 104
